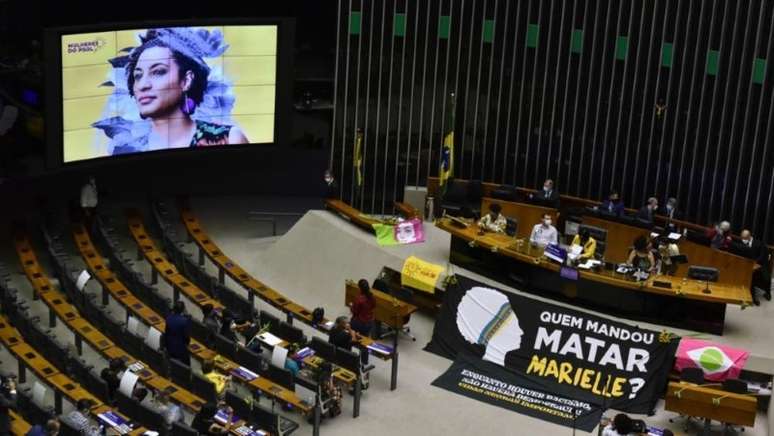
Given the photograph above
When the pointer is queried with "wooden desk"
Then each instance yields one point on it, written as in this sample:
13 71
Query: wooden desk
733 269
527 215
351 214
256 288
111 282
19 426
711 403
389 311
407 211
518 263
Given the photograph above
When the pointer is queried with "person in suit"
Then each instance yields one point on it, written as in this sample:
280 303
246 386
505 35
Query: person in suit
669 209
548 197
646 213
177 334
757 250
720 236
613 204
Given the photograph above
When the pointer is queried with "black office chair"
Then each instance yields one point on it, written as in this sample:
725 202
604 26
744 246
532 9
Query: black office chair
181 429
455 199
250 360
281 376
129 406
152 419
241 408
693 376
600 235
203 388
179 372
475 192
322 349
268 318
734 386
511 227
225 346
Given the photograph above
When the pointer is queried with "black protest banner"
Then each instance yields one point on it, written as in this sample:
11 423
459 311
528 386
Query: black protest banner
487 382
569 353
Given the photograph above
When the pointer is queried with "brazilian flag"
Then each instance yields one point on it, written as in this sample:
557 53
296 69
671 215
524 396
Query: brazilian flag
446 170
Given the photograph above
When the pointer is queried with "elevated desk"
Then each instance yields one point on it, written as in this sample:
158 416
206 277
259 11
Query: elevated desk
514 261
526 215
733 269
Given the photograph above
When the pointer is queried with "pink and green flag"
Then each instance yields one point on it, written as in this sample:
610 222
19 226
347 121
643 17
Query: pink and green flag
404 232
718 362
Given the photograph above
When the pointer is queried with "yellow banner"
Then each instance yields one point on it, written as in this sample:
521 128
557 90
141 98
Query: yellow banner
419 274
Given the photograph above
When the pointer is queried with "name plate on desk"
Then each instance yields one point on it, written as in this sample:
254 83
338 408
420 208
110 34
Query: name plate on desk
380 349
303 353
244 373
115 421
247 431
221 417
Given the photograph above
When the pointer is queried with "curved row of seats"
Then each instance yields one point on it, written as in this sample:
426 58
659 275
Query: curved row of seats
223 294
348 369
253 285
113 284
86 331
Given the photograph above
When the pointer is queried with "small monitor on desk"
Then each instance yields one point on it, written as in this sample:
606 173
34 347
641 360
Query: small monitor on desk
703 273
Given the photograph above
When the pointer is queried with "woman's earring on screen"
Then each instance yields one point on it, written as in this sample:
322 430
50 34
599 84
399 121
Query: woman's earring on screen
188 104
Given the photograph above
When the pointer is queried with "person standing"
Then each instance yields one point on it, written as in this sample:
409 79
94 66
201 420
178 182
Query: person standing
646 213
89 198
363 309
758 251
177 334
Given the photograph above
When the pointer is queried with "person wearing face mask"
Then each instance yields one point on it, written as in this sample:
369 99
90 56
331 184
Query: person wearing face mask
720 236
613 204
331 187
646 213
494 221
548 197
754 249
544 233
669 209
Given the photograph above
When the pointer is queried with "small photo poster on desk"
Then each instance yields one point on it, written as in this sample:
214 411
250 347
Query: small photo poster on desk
545 360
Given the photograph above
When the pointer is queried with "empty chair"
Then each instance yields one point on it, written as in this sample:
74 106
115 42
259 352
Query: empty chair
693 376
181 429
291 334
323 349
267 318
129 406
225 346
179 372
248 359
241 408
152 419
281 376
455 199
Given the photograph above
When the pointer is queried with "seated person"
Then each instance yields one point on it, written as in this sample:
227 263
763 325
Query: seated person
641 256
612 204
330 392
80 419
494 221
589 245
219 380
290 364
720 236
548 197
669 210
204 421
170 411
544 233
231 325
622 425
647 212
210 320
343 336
666 251
112 376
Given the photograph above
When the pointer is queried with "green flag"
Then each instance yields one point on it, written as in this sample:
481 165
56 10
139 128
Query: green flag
385 234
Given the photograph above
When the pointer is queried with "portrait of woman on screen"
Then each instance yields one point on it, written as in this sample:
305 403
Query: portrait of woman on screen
165 96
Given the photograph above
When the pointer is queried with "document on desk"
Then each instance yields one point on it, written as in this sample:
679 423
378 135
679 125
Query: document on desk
244 373
269 339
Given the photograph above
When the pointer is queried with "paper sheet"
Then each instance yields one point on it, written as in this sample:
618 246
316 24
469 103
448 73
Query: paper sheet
83 278
278 356
128 381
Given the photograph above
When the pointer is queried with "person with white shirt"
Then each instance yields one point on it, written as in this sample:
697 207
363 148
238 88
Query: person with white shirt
544 233
89 197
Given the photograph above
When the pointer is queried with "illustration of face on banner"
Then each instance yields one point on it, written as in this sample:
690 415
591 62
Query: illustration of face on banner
574 353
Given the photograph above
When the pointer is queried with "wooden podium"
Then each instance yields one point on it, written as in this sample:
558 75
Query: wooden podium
711 403
389 310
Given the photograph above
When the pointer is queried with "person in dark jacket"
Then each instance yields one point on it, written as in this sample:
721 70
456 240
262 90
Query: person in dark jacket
177 334
7 402
50 429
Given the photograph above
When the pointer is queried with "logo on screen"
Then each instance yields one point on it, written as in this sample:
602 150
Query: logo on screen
86 46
